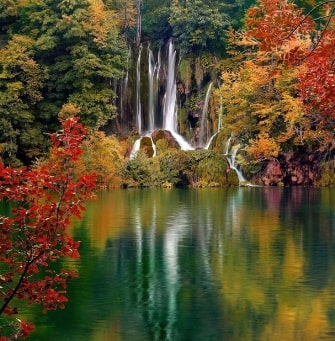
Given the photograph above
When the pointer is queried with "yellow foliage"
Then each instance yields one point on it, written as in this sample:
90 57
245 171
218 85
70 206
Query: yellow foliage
104 156
259 99
263 147
102 23
68 110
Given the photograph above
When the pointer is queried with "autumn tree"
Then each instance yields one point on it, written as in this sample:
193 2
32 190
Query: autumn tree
126 13
35 235
104 155
317 81
305 42
277 95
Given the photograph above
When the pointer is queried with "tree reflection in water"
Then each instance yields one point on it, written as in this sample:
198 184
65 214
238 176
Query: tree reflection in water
216 264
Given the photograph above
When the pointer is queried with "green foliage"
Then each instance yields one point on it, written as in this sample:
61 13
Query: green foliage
175 168
53 53
198 25
139 171
95 107
210 170
155 22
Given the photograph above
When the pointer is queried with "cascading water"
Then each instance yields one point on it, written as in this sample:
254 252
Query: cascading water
232 163
138 92
230 154
137 146
152 89
135 149
210 141
169 112
170 100
124 86
203 127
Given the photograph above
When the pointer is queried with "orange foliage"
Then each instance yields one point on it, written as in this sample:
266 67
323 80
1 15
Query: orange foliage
263 147
274 21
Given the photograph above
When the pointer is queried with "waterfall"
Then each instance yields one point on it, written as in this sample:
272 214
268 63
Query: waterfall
227 147
230 153
152 89
203 136
210 141
170 99
156 88
135 149
169 112
124 86
232 163
220 114
137 145
153 147
138 92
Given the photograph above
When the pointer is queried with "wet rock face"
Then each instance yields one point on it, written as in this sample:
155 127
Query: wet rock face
290 170
301 170
273 174
161 134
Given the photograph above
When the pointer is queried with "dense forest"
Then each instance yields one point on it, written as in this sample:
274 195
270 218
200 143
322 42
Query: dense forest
254 81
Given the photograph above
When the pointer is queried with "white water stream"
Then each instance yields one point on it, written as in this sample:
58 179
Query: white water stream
138 92
203 126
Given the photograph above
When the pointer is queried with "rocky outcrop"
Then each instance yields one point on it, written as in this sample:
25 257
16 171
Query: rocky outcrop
146 145
290 170
272 175
161 134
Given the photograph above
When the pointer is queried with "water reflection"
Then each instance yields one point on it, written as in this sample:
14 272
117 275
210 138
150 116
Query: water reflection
216 264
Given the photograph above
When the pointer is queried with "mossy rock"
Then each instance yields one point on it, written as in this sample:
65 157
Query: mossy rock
161 134
232 178
146 145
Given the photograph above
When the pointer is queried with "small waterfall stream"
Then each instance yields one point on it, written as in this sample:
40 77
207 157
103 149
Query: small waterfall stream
230 154
153 68
124 87
203 136
138 92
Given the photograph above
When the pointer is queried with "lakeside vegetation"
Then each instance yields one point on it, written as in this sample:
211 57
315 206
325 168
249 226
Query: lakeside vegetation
275 75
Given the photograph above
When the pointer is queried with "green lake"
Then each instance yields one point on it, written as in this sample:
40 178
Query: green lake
196 265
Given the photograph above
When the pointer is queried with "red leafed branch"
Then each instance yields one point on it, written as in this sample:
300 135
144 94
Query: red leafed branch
45 198
274 21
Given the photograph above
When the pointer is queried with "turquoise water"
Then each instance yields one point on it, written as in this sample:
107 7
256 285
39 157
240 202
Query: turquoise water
210 264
